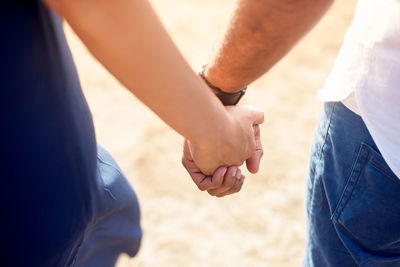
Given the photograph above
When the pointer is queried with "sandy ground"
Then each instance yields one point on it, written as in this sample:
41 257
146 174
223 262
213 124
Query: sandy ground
264 224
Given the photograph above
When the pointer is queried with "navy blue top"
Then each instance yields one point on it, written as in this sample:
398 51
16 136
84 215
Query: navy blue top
48 147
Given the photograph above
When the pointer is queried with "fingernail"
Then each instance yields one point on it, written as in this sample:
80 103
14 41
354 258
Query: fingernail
234 172
238 174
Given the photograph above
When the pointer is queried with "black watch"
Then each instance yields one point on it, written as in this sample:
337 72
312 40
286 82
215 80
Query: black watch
227 98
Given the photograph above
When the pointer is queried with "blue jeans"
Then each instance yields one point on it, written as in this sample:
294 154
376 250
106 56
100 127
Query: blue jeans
353 198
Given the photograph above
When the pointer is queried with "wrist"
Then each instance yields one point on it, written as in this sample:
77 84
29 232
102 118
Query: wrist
228 98
218 77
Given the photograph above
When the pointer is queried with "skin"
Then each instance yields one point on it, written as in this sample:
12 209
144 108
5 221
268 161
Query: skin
224 181
258 35
127 37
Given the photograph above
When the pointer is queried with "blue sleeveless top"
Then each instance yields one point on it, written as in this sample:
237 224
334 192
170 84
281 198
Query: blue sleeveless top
48 146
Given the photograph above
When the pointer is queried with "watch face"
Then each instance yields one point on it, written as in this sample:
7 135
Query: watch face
230 99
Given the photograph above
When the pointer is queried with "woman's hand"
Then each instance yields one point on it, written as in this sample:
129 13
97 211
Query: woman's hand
235 141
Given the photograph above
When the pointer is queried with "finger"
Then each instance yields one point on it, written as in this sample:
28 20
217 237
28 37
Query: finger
253 163
202 181
186 150
187 161
258 114
229 181
226 183
237 187
218 178
187 153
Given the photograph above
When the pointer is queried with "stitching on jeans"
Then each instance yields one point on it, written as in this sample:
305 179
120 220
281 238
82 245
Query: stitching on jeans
377 164
327 130
357 168
352 181
384 172
356 260
314 175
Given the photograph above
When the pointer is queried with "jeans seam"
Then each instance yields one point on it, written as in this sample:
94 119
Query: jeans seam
319 157
327 131
358 165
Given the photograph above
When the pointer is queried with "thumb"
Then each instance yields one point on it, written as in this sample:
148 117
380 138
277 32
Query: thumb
186 150
253 163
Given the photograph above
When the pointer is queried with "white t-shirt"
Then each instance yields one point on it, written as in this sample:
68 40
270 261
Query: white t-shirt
366 74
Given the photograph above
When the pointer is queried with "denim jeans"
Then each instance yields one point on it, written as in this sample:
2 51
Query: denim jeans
353 198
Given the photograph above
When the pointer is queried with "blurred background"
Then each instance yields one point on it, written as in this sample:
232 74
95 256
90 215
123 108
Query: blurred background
264 224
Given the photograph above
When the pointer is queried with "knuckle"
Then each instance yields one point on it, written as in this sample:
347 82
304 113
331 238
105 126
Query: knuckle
202 187
239 162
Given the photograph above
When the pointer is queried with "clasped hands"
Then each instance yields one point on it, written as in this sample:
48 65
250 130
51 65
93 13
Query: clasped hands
213 162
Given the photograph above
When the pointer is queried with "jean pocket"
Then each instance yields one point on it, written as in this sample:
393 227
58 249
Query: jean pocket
369 208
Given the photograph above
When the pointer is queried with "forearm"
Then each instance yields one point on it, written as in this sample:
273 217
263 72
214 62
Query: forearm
259 34
128 39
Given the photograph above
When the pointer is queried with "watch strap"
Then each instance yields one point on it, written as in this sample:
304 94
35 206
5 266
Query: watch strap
227 98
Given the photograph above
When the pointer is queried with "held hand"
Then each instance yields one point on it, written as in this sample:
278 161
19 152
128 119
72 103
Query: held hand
253 163
223 182
236 141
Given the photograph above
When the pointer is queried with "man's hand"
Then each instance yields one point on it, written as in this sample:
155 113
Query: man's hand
223 182
253 163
